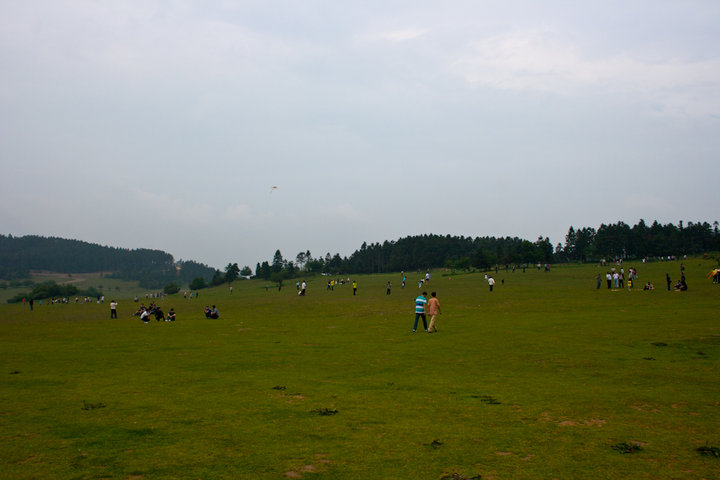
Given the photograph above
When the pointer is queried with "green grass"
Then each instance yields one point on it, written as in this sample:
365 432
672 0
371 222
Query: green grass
571 371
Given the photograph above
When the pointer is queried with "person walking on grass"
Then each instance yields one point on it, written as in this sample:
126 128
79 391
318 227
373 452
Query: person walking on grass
420 305
433 310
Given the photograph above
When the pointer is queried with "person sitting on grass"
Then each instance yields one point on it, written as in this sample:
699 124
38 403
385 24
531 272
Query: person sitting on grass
145 315
681 286
649 286
171 315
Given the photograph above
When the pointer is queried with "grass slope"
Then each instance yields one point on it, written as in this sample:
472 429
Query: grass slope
538 379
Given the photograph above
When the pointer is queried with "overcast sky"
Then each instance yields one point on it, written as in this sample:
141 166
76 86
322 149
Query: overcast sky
165 124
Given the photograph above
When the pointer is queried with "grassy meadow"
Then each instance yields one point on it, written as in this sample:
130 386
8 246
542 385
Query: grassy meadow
545 377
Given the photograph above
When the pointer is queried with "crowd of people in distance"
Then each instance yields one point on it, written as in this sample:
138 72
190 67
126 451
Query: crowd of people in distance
615 279
66 300
331 284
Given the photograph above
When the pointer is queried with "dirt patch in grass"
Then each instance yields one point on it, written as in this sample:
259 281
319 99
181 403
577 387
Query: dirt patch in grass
644 407
568 423
457 476
308 468
590 423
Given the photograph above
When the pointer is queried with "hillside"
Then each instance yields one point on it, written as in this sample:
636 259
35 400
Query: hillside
152 268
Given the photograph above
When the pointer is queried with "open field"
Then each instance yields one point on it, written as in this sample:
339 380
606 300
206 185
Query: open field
538 379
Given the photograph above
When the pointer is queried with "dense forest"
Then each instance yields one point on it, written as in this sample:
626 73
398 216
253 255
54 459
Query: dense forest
620 240
152 268
586 244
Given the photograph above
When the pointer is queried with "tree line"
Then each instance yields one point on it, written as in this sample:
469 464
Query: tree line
421 252
47 290
151 268
155 268
621 241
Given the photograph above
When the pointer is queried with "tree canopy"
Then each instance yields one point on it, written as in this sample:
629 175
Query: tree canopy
152 268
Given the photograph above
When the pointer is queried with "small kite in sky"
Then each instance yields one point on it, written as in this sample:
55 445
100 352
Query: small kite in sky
274 187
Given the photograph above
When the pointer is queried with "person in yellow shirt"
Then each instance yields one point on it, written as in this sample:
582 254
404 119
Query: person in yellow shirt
433 311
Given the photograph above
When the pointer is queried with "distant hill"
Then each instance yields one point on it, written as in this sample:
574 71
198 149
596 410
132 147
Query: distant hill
152 268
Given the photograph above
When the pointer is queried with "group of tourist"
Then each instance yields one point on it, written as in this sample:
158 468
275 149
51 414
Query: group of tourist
146 312
616 279
331 284
681 285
